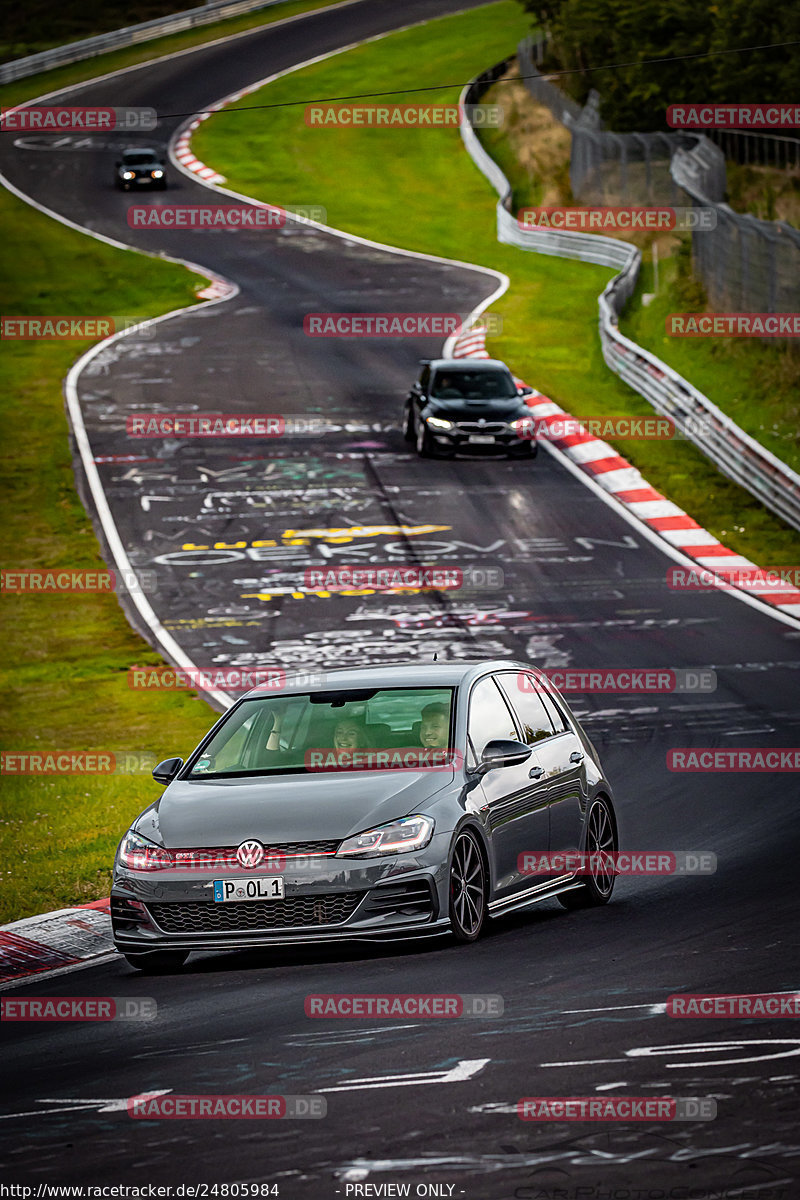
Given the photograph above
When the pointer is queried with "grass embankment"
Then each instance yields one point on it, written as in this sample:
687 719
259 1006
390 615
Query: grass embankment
419 190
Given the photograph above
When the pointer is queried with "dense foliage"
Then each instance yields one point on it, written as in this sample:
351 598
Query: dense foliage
590 34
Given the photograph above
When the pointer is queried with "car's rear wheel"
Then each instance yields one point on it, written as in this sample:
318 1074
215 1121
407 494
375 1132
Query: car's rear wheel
467 889
159 962
601 841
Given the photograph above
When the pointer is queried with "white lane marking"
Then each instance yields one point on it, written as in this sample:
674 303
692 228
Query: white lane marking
465 1069
103 1106
697 1048
655 1009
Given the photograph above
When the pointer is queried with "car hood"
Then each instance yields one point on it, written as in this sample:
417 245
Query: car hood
473 410
285 808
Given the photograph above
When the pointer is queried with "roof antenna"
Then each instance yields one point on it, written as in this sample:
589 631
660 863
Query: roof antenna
435 655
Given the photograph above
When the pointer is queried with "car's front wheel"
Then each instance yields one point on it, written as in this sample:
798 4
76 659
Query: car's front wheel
158 962
424 441
601 843
408 425
467 889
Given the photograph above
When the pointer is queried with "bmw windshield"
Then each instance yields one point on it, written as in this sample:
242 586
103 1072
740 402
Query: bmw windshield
473 385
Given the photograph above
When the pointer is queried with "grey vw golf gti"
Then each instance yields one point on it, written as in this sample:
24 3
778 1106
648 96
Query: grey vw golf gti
383 802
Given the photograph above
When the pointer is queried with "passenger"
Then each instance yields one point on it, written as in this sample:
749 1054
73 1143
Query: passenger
350 734
434 728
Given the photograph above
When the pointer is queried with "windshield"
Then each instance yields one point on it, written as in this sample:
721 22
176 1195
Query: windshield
138 158
473 385
361 729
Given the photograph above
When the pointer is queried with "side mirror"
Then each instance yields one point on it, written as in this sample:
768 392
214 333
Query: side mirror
503 752
166 771
524 390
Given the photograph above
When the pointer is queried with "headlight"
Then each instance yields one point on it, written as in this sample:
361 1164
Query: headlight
411 833
524 427
138 854
439 422
157 174
128 174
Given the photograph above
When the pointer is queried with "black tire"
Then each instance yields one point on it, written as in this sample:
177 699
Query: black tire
601 836
467 889
162 185
526 451
408 425
159 962
424 441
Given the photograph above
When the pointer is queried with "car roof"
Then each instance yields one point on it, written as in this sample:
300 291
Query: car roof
431 674
141 150
474 364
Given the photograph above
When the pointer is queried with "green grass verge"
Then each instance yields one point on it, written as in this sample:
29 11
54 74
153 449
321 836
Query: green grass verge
757 384
62 77
63 659
419 190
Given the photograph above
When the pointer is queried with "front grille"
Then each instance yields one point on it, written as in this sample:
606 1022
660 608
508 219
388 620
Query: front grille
494 427
221 855
295 912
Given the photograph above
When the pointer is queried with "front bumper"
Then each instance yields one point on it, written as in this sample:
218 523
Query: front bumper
496 440
329 900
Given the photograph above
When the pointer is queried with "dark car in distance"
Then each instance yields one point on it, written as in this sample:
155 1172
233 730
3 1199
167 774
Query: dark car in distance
381 802
468 406
140 167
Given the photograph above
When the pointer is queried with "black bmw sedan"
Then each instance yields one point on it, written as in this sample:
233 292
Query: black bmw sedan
468 406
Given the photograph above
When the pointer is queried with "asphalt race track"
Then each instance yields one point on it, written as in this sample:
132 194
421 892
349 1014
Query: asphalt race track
413 1101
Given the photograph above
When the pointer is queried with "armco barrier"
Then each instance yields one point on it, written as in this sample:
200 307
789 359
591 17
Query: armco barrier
733 451
60 56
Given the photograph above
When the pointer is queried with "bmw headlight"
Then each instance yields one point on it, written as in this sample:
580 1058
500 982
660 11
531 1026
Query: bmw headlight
410 833
157 174
439 423
128 174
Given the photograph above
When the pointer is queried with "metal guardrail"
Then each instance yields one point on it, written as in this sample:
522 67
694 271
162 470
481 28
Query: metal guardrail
732 450
60 56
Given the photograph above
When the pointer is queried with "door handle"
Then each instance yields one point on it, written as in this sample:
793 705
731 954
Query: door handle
576 756
536 773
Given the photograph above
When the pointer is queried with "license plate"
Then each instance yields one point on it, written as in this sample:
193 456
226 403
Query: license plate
260 888
485 439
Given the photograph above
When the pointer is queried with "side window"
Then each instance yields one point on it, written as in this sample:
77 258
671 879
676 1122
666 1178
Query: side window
526 698
488 716
556 715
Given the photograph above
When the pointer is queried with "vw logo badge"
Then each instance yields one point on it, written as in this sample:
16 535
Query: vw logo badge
250 853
